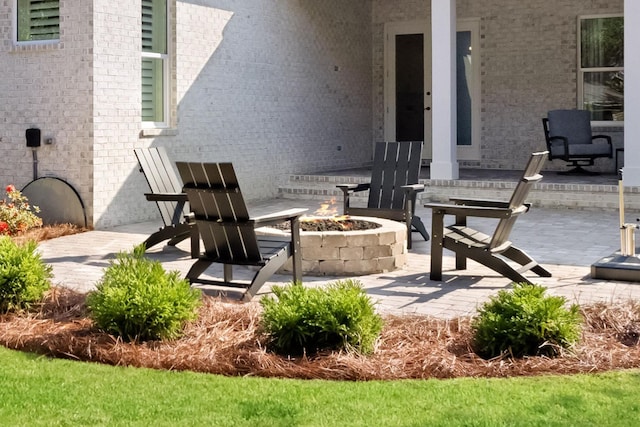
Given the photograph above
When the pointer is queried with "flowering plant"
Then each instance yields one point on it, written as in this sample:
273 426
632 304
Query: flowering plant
16 215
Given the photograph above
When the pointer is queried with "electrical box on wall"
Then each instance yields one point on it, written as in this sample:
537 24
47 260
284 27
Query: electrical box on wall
33 137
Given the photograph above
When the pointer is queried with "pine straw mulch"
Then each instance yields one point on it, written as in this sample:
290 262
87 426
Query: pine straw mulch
226 340
47 232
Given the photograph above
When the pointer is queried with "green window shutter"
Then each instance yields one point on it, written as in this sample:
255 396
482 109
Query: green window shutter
38 20
152 90
154 41
154 26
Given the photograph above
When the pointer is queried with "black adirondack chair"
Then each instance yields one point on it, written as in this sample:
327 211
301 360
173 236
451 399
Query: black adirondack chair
393 187
228 232
166 192
491 251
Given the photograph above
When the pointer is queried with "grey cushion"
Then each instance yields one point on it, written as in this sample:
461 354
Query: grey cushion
596 149
575 125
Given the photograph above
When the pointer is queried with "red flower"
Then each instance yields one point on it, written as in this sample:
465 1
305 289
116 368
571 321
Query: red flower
4 227
10 188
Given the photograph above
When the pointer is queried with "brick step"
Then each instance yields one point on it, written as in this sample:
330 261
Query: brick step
323 187
544 194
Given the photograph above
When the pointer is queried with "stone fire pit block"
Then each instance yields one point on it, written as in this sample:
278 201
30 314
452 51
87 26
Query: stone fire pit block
352 252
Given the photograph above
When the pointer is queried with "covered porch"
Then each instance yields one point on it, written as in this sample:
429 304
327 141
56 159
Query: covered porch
444 165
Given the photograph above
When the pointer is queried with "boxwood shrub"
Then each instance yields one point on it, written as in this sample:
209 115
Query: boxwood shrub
137 299
525 322
24 277
307 320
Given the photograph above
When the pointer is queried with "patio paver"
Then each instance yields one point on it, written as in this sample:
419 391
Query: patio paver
566 242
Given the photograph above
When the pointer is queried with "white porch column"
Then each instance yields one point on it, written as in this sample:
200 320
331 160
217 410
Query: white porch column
444 164
631 170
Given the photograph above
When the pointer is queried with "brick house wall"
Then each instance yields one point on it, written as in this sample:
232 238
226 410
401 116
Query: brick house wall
49 87
118 187
274 87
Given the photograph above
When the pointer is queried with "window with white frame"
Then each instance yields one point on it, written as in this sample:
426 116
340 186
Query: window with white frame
155 63
601 67
37 20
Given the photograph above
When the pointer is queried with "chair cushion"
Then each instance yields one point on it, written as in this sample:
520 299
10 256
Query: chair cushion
575 125
596 150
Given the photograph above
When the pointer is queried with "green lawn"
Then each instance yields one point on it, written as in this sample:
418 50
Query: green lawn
37 391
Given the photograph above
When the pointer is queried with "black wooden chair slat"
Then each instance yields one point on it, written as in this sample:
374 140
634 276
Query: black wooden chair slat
375 185
228 232
395 164
490 251
166 192
389 168
398 195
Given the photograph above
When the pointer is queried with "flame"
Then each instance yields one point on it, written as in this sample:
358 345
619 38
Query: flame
328 211
327 208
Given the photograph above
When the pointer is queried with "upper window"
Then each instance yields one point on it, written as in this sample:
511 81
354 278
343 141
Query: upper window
155 63
37 20
601 67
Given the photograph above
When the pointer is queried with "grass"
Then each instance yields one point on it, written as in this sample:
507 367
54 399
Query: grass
38 391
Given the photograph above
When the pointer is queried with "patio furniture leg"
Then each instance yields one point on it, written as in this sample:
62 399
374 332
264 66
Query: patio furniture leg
437 229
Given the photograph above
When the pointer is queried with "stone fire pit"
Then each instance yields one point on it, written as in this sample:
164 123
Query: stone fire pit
351 252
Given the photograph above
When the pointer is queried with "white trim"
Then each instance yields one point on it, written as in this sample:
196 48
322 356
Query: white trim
391 29
470 152
443 40
631 170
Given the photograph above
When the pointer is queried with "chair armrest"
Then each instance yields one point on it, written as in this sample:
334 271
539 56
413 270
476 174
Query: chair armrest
278 217
353 187
607 140
166 197
413 188
479 202
475 211
558 141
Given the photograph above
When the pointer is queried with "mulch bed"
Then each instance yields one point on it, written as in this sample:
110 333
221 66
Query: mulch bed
226 340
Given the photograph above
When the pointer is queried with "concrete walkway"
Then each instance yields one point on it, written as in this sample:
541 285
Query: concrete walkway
566 242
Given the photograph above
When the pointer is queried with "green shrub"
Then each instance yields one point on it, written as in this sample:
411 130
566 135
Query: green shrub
138 300
340 316
24 278
524 322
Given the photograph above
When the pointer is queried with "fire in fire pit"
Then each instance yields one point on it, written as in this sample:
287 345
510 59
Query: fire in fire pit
326 218
338 223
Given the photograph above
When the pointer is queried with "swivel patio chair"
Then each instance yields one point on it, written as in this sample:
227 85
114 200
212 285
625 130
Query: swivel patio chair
569 138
